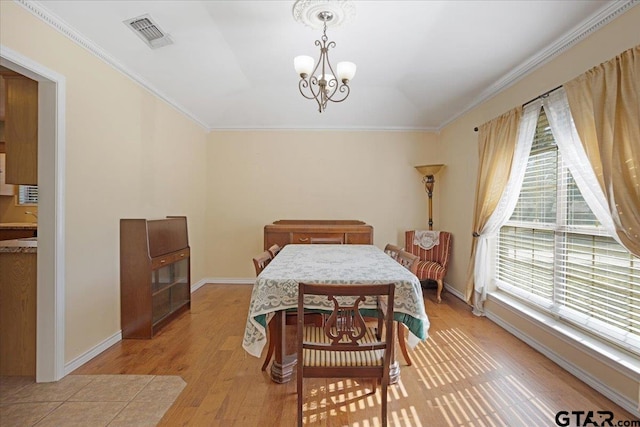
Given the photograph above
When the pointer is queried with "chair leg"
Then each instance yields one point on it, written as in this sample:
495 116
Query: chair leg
402 341
383 399
440 285
299 389
271 344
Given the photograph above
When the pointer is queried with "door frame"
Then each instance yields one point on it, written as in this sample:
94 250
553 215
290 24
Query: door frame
50 323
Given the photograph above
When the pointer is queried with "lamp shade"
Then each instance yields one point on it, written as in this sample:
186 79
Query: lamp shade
346 70
429 169
303 64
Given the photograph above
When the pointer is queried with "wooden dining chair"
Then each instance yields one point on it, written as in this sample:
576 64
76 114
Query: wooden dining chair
261 261
410 262
326 240
274 249
392 250
345 347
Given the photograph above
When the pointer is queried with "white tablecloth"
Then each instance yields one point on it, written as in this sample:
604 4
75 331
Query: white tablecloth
276 288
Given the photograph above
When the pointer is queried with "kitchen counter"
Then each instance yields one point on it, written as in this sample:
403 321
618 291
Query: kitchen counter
17 230
26 245
18 225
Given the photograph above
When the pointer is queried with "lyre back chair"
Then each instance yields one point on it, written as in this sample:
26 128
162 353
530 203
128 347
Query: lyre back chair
274 249
392 250
433 262
261 261
408 261
345 347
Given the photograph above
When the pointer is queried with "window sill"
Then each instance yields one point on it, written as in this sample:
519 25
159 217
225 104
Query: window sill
622 361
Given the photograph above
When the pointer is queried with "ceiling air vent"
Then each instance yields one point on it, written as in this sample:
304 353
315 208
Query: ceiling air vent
149 31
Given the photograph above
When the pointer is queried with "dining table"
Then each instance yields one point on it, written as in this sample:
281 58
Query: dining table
276 291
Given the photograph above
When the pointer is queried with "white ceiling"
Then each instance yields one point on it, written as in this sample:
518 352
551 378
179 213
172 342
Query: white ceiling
420 64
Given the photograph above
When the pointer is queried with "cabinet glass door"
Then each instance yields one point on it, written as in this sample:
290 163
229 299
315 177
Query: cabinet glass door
180 291
169 288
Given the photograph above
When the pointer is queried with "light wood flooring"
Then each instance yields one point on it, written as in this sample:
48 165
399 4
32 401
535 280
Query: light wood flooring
470 372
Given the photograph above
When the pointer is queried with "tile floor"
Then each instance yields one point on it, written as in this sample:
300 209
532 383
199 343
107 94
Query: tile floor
88 400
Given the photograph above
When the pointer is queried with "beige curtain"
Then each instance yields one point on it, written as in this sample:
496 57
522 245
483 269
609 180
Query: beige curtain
497 143
605 105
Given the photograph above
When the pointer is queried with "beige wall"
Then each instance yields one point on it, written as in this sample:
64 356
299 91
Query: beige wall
458 149
255 178
128 154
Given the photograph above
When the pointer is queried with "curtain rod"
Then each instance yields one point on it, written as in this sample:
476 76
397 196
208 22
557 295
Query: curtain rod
475 129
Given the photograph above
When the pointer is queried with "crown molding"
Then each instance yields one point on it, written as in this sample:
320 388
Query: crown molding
589 26
57 23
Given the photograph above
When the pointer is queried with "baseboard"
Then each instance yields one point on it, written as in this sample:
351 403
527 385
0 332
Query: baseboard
454 291
568 365
223 281
93 352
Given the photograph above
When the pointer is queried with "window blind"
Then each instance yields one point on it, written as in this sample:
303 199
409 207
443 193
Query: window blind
554 254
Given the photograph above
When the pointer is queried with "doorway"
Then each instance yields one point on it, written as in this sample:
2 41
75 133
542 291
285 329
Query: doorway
51 254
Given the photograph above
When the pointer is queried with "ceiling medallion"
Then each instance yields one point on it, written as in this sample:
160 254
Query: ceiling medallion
307 11
319 82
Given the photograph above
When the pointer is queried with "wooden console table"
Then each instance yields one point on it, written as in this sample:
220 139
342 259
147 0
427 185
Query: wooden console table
301 231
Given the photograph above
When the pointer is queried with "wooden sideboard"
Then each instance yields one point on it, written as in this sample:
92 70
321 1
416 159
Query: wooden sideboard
284 232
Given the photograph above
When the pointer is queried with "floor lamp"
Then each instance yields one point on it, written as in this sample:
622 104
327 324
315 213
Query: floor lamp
428 171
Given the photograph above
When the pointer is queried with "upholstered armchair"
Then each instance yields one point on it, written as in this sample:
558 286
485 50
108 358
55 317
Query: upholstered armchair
434 262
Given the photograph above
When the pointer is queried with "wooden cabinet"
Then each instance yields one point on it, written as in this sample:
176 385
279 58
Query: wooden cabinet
20 96
18 283
5 189
155 274
284 232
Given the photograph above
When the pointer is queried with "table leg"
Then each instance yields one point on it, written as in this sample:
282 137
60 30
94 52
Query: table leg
283 364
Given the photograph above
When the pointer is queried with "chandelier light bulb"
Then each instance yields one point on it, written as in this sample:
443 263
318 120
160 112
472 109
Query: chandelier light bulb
329 80
303 65
346 71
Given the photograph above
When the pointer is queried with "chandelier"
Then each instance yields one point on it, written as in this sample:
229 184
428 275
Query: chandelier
319 82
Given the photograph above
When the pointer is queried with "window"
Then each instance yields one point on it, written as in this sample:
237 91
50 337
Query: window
27 194
554 253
